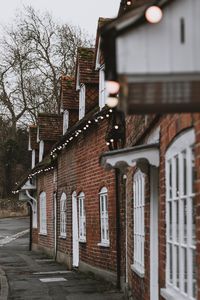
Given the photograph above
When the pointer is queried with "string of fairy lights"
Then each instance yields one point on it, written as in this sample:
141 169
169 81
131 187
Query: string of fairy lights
83 129
69 138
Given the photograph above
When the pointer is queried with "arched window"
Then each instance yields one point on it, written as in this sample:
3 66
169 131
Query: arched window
180 217
103 197
138 217
63 221
34 214
82 217
43 214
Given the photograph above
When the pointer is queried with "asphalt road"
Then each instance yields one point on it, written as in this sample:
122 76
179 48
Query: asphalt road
34 276
11 226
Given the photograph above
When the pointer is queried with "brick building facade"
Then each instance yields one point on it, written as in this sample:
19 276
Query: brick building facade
139 222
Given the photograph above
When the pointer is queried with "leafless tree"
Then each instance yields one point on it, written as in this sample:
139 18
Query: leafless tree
33 55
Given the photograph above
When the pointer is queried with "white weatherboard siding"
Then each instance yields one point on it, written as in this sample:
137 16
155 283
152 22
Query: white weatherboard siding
157 48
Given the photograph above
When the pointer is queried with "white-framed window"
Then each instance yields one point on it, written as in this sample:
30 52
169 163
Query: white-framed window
180 218
34 214
103 195
82 217
63 218
65 121
102 88
138 217
41 150
82 101
43 214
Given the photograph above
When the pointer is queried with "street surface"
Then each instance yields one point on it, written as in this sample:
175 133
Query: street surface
34 276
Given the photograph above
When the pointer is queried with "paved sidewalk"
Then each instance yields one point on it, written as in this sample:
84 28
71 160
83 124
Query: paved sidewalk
28 272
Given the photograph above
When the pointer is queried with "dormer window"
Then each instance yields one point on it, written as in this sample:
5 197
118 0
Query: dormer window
33 159
102 88
41 150
82 101
65 121
29 142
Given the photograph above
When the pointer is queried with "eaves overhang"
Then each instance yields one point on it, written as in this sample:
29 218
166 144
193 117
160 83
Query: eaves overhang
129 157
110 32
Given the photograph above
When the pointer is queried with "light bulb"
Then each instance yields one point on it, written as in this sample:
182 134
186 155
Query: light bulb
112 101
153 14
112 87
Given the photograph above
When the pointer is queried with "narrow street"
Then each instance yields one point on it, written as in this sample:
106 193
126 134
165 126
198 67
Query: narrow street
34 276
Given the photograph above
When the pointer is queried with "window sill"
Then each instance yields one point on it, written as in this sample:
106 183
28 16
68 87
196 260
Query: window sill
43 233
169 294
62 237
83 241
138 272
105 245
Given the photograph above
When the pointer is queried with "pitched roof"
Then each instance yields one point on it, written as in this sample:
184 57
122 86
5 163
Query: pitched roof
85 66
129 19
134 5
69 95
50 126
42 166
33 137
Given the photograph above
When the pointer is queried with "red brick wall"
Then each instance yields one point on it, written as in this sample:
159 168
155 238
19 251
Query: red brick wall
35 236
45 184
79 170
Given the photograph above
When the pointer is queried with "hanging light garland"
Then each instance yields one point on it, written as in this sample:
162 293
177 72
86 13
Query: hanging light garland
77 132
69 139
128 2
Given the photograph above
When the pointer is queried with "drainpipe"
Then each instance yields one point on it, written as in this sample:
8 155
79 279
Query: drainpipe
126 224
32 212
30 226
118 225
55 224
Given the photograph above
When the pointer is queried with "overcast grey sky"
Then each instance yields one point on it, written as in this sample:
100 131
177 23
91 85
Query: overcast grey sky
79 12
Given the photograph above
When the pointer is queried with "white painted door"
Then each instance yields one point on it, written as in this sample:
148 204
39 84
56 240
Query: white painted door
154 235
75 231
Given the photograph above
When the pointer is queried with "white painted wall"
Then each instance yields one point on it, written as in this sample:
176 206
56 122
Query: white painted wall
156 48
